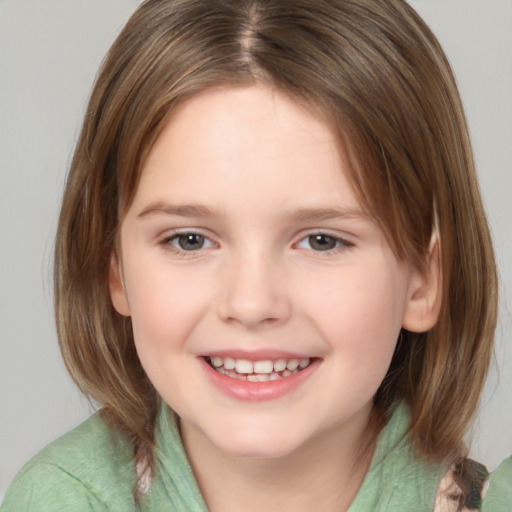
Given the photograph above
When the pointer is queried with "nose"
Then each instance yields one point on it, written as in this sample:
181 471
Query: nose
254 293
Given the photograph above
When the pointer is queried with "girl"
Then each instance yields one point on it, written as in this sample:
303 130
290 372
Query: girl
272 269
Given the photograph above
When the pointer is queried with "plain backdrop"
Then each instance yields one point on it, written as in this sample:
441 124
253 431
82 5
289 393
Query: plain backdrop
49 55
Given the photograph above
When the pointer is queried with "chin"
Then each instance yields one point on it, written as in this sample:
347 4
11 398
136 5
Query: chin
257 442
256 449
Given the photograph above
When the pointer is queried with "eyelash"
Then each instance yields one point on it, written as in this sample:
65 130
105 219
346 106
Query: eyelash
167 243
341 244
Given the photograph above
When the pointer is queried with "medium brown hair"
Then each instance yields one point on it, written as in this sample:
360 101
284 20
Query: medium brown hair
379 77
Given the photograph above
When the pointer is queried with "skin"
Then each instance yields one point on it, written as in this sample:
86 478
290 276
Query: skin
260 171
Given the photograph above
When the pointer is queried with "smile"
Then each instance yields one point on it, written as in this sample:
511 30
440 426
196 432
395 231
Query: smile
258 371
261 377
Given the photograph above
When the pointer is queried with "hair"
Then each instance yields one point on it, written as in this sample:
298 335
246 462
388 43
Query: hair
376 73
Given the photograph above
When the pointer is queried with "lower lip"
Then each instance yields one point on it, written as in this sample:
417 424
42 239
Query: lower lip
257 391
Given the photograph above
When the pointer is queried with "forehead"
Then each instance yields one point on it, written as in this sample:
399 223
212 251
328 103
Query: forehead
253 140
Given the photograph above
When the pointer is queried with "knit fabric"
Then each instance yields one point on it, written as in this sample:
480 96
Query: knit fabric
91 469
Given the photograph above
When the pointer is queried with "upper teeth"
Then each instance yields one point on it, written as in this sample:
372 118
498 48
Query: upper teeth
261 367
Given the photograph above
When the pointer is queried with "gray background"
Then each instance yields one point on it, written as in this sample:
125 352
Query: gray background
49 54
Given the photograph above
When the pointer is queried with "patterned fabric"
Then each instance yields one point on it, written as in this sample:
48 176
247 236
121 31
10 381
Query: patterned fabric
461 488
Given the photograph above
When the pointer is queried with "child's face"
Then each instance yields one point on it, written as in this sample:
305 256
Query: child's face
246 242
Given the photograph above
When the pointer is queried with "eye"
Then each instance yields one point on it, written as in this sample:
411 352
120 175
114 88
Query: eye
188 242
322 242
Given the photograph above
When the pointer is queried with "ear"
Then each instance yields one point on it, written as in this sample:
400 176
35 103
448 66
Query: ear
116 285
425 293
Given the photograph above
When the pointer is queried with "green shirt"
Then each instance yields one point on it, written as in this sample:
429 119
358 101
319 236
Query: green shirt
91 469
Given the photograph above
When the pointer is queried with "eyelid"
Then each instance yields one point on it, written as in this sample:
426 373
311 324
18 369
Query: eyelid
166 241
344 243
175 232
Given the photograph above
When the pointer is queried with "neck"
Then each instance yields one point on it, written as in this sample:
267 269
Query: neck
323 475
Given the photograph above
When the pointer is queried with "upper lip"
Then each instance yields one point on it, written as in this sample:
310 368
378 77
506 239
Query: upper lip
256 355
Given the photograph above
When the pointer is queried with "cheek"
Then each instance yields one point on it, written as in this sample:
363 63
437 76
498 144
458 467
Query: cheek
360 316
362 299
166 306
166 303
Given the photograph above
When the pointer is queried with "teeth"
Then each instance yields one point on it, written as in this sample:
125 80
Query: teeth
254 377
217 361
293 364
263 366
243 366
258 371
280 365
229 363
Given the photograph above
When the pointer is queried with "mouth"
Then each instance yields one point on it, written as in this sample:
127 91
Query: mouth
258 371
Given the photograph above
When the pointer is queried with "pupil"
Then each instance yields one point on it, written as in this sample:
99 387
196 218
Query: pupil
322 242
191 242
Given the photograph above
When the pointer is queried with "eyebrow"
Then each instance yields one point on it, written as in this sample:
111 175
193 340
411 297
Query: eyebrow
184 210
319 214
300 215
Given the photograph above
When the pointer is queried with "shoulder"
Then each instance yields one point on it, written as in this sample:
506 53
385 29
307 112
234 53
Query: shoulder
88 469
469 487
499 494
461 487
397 479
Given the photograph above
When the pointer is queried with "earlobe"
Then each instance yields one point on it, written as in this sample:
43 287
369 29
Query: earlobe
117 288
424 302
